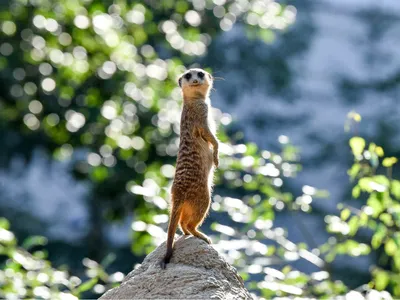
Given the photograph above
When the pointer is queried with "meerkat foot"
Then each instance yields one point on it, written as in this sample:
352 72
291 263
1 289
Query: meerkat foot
202 236
206 239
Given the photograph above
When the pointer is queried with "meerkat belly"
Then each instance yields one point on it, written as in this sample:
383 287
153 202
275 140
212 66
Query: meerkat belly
193 166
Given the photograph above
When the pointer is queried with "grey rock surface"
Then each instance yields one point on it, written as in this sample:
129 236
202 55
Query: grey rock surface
196 271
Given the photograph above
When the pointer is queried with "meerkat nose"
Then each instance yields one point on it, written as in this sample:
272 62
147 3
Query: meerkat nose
195 81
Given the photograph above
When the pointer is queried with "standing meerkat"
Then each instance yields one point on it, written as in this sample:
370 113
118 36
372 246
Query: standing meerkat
198 152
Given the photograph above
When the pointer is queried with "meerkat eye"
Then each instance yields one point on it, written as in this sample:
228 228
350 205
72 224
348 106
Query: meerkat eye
200 74
188 76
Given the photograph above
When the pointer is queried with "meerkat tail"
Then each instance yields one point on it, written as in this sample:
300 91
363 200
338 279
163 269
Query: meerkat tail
173 225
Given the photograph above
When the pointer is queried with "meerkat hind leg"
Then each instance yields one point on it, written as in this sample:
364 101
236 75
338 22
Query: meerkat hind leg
185 231
185 218
195 221
183 227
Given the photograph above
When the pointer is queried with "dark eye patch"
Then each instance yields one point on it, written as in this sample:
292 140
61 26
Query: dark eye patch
200 74
187 76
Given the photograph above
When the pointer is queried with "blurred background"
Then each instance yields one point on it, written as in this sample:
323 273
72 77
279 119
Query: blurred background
89 123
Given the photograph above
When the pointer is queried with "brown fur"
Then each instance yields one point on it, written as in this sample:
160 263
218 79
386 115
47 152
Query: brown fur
198 152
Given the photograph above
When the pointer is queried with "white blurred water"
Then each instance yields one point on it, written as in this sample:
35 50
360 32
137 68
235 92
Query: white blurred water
46 199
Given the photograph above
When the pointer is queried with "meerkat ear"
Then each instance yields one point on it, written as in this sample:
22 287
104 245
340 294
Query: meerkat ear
180 81
211 77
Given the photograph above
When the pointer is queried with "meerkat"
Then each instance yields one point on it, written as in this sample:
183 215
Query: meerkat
197 156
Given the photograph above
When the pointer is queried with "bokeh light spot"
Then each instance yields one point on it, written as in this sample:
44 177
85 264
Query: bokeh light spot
48 84
82 22
35 106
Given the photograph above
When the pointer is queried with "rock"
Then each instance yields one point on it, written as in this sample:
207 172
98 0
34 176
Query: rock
196 271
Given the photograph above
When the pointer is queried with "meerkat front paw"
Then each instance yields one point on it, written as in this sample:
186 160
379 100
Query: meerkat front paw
216 160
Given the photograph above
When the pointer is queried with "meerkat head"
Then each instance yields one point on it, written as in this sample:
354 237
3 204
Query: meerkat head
195 83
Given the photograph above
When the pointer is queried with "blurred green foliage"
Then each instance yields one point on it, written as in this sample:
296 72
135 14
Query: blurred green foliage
379 216
100 78
97 80
26 272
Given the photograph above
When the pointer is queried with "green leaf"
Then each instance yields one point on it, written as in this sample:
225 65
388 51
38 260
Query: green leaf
270 251
4 223
375 204
386 219
355 169
353 225
353 248
381 179
363 219
357 145
379 151
251 149
87 285
378 236
354 116
381 280
34 241
330 256
356 192
390 247
244 275
396 259
378 183
364 184
395 189
286 270
100 173
389 162
345 214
